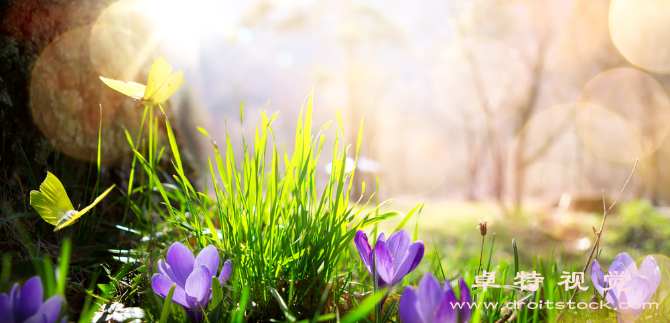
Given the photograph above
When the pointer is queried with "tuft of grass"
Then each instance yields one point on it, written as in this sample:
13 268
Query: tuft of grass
289 242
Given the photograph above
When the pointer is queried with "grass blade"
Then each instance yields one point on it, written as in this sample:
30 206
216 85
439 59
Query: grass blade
6 268
367 306
167 305
17 215
282 305
64 265
408 216
516 256
217 292
239 315
488 264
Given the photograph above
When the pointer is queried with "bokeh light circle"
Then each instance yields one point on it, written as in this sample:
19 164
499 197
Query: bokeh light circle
546 149
641 32
582 40
607 135
123 41
65 99
626 116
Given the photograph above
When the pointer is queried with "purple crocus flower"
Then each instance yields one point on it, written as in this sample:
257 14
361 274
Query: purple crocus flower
25 305
192 275
432 303
394 259
631 287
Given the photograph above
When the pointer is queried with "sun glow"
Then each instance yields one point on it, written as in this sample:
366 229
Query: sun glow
187 20
177 26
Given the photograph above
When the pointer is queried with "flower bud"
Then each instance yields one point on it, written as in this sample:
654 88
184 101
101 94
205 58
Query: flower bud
481 226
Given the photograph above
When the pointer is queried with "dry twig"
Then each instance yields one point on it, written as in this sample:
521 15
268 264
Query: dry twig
600 232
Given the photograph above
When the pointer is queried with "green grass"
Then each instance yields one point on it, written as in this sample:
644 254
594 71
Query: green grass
291 242
290 245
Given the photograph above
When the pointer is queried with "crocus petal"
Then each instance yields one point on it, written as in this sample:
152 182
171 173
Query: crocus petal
192 303
409 307
13 298
225 271
465 300
166 271
6 314
616 269
161 286
181 259
198 286
430 295
625 315
14 294
636 291
209 257
628 263
29 299
412 258
195 316
51 308
64 320
398 243
37 318
419 255
447 311
364 249
194 309
163 267
380 238
384 262
650 269
598 278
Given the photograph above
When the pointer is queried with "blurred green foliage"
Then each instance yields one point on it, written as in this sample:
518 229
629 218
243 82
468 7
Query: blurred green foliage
638 227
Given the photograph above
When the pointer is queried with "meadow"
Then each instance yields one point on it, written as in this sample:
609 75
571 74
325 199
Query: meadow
289 251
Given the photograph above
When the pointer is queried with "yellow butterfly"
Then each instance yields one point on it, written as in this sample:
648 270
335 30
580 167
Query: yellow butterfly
54 206
159 88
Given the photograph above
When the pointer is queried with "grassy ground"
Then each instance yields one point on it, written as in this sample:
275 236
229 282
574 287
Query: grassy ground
292 246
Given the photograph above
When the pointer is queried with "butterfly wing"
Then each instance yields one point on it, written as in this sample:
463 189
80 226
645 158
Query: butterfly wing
137 88
131 89
158 75
86 209
168 89
51 202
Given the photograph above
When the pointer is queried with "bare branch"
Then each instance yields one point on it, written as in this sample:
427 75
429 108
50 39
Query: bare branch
599 234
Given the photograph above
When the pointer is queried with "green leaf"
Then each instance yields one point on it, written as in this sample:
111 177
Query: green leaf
212 230
242 112
282 305
167 304
408 216
123 271
293 257
204 132
367 306
488 264
516 256
64 265
99 140
6 268
18 215
239 315
217 292
106 290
